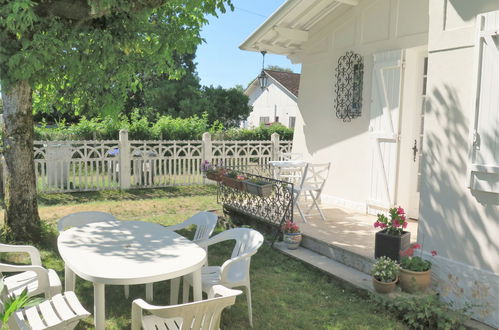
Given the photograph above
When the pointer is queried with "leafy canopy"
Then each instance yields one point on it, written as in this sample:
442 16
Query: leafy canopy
94 50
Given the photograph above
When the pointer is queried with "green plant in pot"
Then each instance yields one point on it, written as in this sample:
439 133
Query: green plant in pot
11 304
291 235
385 273
234 180
392 239
212 172
415 272
259 187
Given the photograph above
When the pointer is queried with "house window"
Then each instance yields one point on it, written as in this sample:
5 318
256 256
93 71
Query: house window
276 119
292 121
348 86
264 120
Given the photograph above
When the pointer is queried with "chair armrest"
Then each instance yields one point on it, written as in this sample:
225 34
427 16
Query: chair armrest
42 276
33 252
228 263
222 291
178 226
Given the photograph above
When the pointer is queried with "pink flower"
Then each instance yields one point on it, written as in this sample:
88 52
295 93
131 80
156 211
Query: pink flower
409 252
402 217
433 253
383 225
377 224
404 225
416 246
396 223
400 210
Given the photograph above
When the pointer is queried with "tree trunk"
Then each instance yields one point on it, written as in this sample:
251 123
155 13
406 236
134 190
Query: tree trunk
21 207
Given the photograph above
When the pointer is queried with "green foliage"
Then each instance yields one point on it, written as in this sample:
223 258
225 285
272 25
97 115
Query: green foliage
13 303
85 58
422 311
263 132
415 263
385 270
278 68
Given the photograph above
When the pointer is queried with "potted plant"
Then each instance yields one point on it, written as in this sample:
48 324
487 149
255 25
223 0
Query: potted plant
258 187
212 172
291 235
385 274
392 239
415 272
234 180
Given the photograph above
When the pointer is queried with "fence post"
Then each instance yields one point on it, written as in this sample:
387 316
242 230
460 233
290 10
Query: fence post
274 139
124 160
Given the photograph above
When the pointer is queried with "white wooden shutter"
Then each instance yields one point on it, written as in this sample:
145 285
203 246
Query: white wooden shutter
384 128
483 171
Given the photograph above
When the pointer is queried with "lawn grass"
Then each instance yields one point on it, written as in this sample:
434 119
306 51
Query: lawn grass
287 294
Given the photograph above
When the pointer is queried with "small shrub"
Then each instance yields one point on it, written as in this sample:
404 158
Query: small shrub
423 311
385 270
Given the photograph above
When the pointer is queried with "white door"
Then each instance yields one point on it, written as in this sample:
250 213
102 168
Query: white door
384 129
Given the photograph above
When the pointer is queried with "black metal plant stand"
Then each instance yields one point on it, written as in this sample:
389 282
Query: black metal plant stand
274 209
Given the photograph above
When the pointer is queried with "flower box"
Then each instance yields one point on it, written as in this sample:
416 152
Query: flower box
263 190
214 176
391 245
233 183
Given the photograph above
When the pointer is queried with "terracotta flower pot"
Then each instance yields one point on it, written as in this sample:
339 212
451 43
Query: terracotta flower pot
384 287
292 240
233 183
412 282
214 176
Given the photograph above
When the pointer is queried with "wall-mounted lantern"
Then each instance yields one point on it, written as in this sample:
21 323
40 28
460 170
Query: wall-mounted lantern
348 87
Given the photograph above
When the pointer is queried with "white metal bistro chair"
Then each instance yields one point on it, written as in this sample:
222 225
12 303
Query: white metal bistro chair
291 156
312 182
61 312
235 271
35 277
205 223
202 315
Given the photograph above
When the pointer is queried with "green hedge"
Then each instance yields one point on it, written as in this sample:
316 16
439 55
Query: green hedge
165 127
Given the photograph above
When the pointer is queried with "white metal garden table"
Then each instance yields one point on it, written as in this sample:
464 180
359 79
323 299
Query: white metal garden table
288 170
127 252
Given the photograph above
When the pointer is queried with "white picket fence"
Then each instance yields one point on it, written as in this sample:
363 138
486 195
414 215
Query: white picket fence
69 166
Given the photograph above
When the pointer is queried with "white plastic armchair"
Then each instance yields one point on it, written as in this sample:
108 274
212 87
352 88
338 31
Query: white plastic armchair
61 312
82 218
205 223
35 277
235 271
312 182
202 315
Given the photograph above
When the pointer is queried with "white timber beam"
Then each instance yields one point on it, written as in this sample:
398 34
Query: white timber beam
349 2
271 48
292 34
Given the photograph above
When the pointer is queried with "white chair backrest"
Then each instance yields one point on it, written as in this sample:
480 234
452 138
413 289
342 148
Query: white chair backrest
82 218
314 176
291 156
205 223
202 315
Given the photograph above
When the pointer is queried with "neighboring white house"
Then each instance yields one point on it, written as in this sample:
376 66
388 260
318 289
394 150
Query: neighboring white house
428 134
277 102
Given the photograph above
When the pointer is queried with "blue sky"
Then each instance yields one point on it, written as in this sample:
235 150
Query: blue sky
220 61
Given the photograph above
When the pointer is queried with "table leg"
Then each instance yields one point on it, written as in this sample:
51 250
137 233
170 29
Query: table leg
196 285
99 306
69 279
174 288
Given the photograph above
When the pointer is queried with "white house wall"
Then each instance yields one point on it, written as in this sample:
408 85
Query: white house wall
460 223
370 27
273 100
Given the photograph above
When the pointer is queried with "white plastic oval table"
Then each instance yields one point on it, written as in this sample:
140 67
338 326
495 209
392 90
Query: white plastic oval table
127 252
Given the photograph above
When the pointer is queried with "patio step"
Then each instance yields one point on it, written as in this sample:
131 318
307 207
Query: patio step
339 270
338 254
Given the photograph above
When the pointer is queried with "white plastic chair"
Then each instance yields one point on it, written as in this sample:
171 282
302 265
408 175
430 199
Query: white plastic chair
62 311
82 218
205 223
35 277
202 315
312 182
235 271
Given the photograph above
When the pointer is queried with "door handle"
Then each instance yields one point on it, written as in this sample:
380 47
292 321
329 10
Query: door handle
415 149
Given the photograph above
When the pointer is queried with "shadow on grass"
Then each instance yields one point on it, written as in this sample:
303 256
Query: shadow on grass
132 194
